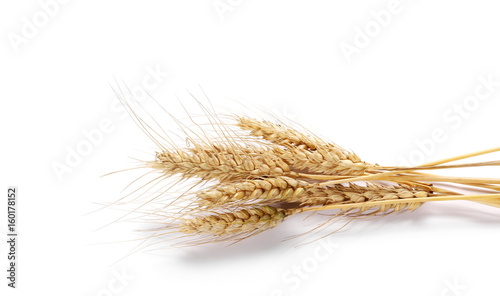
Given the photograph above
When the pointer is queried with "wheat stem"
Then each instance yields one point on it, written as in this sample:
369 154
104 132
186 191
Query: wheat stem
464 156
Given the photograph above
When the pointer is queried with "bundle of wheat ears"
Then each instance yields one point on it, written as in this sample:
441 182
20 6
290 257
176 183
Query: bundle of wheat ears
254 174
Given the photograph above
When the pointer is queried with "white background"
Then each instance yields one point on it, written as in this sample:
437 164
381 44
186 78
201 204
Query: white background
403 83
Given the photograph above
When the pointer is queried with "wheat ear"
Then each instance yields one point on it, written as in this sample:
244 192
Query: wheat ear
220 162
236 224
306 152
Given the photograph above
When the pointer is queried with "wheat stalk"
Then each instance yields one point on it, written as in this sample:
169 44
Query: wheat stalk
263 172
